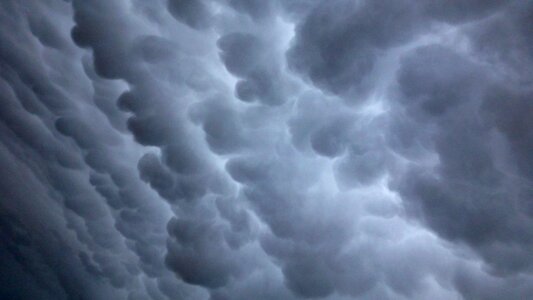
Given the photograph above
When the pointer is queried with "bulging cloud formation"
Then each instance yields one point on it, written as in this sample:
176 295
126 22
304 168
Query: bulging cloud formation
243 149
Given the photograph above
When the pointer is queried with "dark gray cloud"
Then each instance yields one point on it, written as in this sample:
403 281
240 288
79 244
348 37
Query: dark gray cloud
232 149
194 13
254 8
248 57
337 44
476 188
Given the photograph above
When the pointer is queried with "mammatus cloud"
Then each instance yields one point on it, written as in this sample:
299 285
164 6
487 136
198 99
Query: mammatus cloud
243 149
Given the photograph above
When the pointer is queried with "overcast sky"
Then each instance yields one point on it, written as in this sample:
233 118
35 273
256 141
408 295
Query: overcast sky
266 149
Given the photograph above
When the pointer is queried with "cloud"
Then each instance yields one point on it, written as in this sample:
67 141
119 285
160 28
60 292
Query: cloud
194 13
337 52
476 189
266 150
247 57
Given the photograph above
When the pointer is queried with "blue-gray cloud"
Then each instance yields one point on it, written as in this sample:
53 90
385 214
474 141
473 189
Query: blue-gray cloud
230 149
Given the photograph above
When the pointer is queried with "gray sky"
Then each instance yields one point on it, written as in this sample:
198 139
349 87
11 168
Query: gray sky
250 149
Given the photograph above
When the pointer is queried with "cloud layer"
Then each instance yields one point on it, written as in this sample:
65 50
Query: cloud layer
247 149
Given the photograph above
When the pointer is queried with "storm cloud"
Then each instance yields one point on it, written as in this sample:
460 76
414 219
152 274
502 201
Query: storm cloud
243 149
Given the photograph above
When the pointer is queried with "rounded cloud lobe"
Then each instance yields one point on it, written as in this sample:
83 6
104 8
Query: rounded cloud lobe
232 149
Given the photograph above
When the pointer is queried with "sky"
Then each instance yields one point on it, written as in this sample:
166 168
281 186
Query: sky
252 149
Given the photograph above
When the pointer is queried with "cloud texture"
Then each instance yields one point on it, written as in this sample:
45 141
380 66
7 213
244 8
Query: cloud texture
248 149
